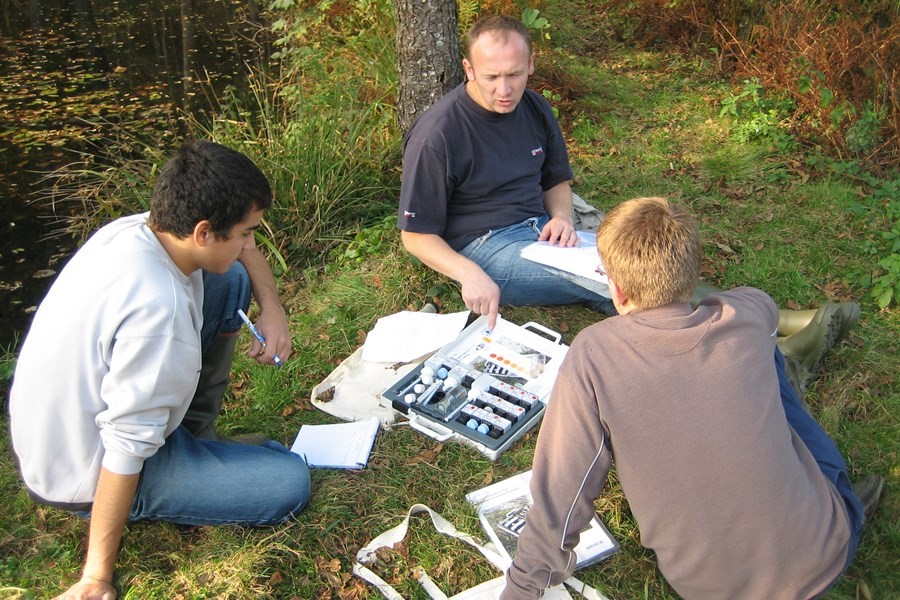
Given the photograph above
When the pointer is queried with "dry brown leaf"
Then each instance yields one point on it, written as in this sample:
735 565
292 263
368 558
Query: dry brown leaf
426 455
488 478
354 590
838 291
329 570
332 566
725 248
326 394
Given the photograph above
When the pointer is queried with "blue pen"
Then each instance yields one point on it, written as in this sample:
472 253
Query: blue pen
257 334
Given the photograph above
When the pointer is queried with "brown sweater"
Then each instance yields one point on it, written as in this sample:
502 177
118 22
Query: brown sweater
723 490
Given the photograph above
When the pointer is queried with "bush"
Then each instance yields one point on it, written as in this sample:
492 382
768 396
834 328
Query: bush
837 62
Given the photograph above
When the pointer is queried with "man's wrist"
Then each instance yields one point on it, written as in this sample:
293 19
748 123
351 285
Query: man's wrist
565 217
97 579
271 306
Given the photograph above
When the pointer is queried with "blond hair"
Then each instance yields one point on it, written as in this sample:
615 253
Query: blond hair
650 248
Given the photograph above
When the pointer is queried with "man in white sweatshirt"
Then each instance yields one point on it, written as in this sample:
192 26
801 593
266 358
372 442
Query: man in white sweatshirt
109 370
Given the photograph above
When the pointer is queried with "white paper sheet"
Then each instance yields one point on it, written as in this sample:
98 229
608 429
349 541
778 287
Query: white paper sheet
338 445
407 335
581 260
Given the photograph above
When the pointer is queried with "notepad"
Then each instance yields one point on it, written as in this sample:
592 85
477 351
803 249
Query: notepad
581 260
337 446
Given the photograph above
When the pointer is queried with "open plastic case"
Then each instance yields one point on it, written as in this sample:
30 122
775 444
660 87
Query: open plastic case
486 388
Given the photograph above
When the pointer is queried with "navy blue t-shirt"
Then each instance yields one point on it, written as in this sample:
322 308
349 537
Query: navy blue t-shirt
467 170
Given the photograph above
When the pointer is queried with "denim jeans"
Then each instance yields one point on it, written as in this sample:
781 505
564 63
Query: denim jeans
201 482
523 282
223 295
823 450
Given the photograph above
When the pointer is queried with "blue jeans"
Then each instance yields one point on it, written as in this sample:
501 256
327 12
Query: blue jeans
223 295
201 482
523 282
823 450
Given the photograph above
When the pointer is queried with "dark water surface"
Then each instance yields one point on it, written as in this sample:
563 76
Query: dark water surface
75 75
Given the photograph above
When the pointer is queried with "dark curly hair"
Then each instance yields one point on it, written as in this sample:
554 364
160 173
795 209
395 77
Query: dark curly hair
207 181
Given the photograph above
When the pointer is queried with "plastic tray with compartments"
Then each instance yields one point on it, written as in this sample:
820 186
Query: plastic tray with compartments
486 388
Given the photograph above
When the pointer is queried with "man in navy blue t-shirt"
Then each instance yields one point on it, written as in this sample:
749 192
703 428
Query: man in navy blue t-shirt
485 173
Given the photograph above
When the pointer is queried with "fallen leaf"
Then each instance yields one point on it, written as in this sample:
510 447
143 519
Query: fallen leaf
330 570
488 478
838 291
426 455
354 589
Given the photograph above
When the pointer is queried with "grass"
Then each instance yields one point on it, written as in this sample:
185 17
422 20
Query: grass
638 123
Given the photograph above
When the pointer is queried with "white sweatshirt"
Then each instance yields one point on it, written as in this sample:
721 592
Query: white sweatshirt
109 365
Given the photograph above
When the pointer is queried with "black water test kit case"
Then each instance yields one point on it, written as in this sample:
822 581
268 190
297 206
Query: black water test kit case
486 388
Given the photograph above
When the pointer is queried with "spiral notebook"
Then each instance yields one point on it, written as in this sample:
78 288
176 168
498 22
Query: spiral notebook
338 445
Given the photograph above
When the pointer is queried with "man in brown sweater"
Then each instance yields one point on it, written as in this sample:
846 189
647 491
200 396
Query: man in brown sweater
732 483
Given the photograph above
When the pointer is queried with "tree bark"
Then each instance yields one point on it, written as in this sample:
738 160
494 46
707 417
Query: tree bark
36 14
187 52
428 55
89 34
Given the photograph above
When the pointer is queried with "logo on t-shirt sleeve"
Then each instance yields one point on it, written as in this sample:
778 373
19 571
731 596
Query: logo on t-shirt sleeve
537 151
409 214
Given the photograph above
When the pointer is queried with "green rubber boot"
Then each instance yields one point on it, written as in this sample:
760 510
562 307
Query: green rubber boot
831 324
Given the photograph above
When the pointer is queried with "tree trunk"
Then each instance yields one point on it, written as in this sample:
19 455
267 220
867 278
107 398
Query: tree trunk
89 34
36 14
428 55
187 52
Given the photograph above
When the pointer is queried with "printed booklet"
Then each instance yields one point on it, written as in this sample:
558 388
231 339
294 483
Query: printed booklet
501 509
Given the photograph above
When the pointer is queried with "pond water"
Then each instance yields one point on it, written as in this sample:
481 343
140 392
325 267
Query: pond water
76 74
